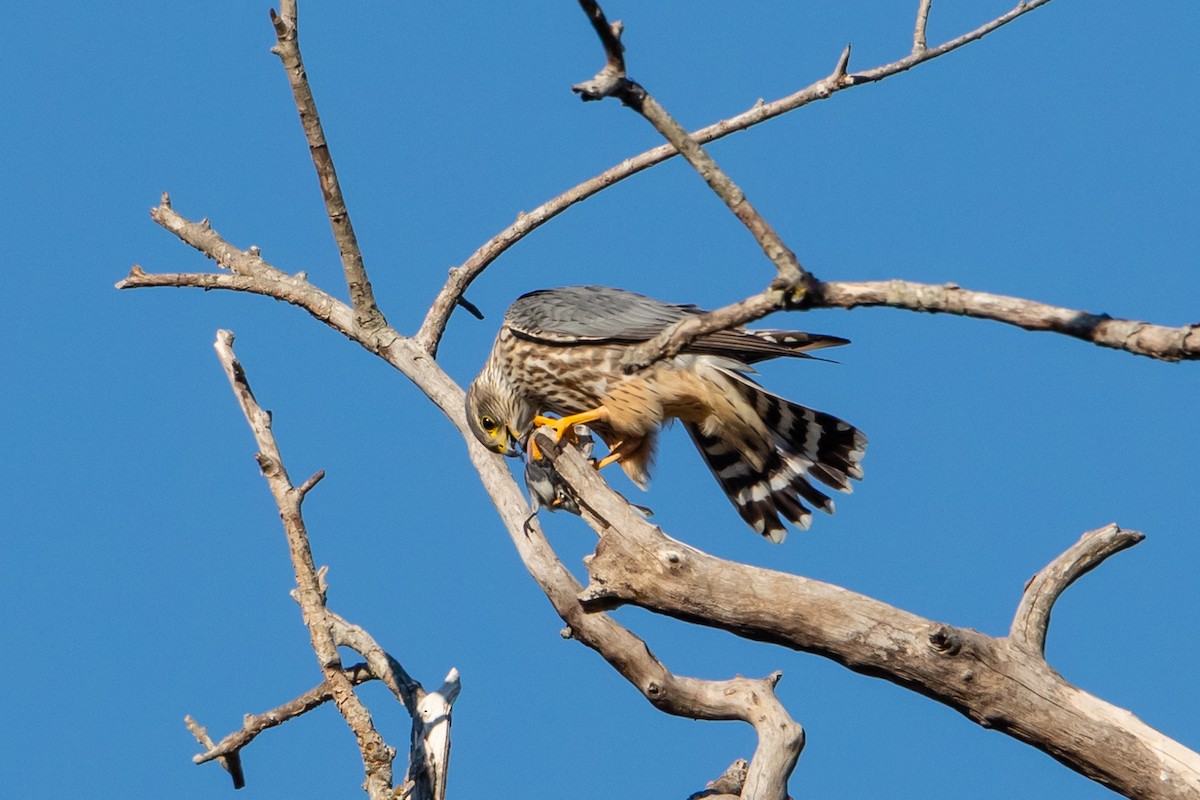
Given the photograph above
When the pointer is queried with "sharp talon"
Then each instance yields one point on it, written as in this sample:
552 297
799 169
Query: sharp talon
567 424
611 458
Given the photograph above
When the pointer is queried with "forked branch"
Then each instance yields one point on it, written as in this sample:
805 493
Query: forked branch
461 277
310 594
1000 683
429 760
254 724
253 274
612 81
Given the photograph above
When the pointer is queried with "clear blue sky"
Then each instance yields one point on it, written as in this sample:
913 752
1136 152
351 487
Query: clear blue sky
143 569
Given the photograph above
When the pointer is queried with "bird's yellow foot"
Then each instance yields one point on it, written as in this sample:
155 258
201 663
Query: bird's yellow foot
612 458
564 426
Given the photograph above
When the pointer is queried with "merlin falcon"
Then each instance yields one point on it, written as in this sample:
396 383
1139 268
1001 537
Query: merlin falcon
560 351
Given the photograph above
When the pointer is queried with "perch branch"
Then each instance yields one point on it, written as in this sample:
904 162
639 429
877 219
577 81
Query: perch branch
780 739
362 296
750 700
619 646
461 277
1032 619
997 682
612 81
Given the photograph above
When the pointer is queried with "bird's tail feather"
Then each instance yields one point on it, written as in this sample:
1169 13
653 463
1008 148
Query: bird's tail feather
805 444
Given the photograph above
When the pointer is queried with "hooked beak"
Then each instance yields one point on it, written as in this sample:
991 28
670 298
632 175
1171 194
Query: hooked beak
512 447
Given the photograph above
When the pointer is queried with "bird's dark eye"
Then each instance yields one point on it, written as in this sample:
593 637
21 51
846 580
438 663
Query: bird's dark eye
488 424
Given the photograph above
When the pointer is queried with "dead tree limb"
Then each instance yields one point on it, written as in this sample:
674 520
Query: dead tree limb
362 296
461 277
963 668
1001 683
413 361
612 81
429 757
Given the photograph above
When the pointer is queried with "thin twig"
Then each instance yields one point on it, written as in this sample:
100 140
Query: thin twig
919 44
287 47
231 763
254 724
674 337
608 80
843 63
406 689
461 277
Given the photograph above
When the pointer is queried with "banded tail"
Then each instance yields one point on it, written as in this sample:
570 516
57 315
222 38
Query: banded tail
804 444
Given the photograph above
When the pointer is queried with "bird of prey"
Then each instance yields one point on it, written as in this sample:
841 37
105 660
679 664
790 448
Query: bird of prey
559 351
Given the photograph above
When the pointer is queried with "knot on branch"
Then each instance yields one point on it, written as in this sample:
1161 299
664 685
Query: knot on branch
672 558
266 464
945 640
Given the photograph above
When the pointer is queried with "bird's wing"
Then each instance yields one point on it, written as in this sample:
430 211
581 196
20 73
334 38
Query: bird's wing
595 314
751 346
591 314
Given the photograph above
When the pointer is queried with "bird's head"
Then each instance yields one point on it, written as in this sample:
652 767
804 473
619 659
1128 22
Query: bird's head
497 415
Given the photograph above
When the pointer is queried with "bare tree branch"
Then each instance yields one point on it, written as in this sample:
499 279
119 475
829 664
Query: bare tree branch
254 274
362 296
254 724
461 277
620 647
1002 683
998 683
430 711
231 763
429 759
431 740
1139 338
919 43
376 754
1032 619
612 80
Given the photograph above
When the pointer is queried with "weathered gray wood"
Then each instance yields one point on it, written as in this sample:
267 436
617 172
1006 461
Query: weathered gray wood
1001 683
